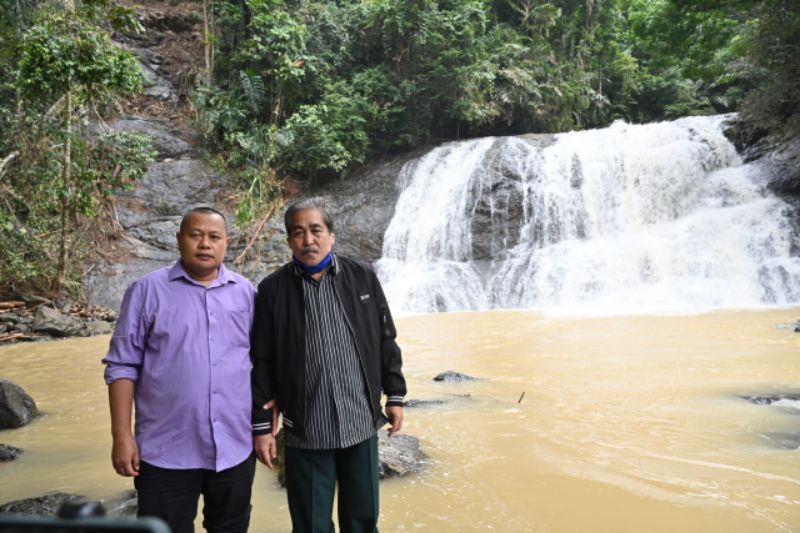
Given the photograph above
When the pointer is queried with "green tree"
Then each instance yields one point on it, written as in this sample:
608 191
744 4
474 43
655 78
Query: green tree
66 69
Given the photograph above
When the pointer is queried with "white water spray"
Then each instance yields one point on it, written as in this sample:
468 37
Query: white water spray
650 218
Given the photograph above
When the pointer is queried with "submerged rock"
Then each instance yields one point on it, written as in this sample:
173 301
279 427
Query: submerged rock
423 403
786 441
781 399
451 376
126 504
16 407
398 456
47 505
9 453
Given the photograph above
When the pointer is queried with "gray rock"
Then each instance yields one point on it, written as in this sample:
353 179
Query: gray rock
9 453
47 505
158 87
16 407
451 376
769 399
107 283
52 322
10 318
165 142
97 327
399 455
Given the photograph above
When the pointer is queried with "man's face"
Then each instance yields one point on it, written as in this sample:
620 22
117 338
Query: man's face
309 237
202 244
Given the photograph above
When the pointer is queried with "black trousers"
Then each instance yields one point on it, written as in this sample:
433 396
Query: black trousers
311 477
172 495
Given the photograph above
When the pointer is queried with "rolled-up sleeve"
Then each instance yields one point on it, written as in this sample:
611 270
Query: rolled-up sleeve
126 351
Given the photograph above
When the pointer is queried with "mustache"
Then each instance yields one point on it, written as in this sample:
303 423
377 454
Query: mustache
310 248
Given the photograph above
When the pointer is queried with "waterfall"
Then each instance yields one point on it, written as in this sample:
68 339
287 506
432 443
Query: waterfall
630 218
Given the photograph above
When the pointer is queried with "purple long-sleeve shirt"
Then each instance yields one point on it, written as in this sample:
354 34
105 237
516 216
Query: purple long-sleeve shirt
186 346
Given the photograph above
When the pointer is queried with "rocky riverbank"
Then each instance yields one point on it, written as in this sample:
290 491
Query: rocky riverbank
36 318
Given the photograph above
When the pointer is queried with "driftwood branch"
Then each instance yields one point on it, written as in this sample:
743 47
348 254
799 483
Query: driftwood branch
240 258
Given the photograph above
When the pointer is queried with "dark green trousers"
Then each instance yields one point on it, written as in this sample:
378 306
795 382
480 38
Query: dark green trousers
311 477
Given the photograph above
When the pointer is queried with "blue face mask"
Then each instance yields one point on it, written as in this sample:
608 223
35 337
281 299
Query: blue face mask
316 268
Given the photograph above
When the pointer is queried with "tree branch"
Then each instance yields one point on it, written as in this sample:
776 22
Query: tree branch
240 258
5 162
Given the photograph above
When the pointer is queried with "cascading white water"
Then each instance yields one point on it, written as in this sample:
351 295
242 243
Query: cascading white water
631 218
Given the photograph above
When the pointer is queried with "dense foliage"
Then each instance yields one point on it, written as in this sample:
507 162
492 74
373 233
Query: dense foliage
56 173
314 87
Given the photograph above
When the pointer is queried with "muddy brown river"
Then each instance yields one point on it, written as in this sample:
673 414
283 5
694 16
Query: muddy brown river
612 424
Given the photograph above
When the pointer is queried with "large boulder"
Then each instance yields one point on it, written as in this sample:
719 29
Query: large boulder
55 323
16 407
399 455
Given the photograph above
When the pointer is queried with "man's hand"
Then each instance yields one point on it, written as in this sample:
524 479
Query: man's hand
125 456
266 448
272 404
395 416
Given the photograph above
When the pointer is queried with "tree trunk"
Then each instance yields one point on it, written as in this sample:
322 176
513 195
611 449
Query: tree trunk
66 177
18 90
207 43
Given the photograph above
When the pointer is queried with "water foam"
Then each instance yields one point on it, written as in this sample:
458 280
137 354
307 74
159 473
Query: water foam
632 218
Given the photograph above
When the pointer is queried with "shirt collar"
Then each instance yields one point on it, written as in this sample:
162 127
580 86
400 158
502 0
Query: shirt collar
177 271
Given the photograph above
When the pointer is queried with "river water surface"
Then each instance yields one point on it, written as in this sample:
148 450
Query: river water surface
610 424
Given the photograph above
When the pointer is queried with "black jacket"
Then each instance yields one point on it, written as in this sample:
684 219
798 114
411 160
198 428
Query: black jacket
277 347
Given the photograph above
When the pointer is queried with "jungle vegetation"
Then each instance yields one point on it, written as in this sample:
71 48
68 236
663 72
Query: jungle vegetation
312 89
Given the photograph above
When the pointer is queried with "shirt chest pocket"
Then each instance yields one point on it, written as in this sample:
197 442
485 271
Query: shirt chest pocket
236 326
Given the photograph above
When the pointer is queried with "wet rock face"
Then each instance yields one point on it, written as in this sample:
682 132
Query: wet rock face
498 204
16 407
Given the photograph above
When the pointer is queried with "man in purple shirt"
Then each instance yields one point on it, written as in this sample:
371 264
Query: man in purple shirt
180 350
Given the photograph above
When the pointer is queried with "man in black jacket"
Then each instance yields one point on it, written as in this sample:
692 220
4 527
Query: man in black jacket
323 346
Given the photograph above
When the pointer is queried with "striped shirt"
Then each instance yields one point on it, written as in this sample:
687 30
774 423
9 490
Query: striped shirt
338 413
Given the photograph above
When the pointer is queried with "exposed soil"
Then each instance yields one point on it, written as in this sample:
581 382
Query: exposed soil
174 35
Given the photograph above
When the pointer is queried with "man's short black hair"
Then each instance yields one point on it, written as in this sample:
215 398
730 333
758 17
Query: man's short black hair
308 203
206 210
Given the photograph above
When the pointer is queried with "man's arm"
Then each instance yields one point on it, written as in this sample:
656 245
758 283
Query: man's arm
264 410
124 452
392 380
